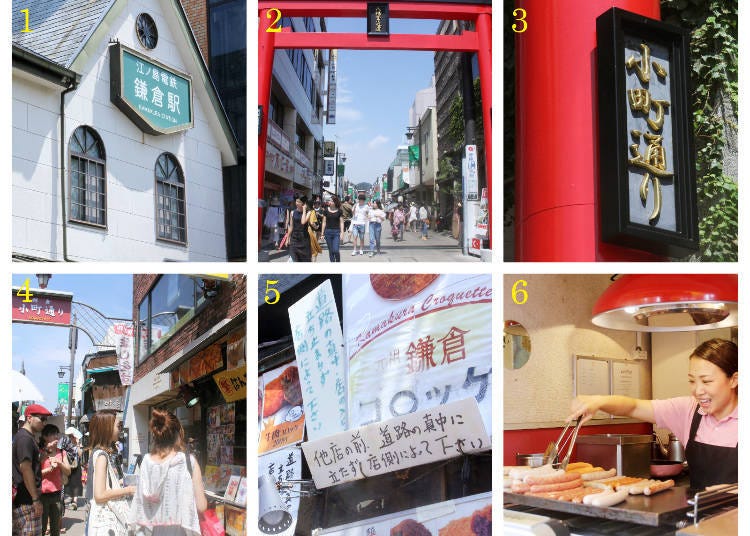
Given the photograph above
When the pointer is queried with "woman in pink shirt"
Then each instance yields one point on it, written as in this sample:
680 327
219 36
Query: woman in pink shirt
705 423
54 465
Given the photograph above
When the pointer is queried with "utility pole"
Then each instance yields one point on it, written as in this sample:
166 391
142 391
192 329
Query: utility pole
73 345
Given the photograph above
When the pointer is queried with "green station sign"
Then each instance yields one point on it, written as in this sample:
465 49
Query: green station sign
157 98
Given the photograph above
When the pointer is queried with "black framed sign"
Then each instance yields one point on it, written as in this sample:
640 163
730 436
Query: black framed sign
378 19
647 187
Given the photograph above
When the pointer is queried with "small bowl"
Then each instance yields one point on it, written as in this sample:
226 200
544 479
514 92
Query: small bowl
662 468
532 460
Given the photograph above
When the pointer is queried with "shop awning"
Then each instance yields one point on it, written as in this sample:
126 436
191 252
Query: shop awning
218 331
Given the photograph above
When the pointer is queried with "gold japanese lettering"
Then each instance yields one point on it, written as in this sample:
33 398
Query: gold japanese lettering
642 67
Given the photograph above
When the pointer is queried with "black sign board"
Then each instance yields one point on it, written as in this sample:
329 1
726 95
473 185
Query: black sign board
647 187
377 18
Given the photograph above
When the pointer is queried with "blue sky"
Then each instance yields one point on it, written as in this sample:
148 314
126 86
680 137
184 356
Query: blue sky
375 91
44 348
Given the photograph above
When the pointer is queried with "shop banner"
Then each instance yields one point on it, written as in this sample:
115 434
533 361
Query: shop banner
468 515
62 397
232 383
121 335
416 341
42 307
318 344
283 418
283 465
421 437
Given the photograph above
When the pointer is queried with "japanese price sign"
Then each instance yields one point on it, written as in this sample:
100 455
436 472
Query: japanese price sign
416 347
232 383
280 466
421 437
318 344
45 308
158 99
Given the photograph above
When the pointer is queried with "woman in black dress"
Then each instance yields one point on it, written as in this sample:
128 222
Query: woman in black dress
333 228
299 240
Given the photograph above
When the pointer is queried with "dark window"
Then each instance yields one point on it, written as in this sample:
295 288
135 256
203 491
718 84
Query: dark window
145 28
170 199
88 181
167 307
276 112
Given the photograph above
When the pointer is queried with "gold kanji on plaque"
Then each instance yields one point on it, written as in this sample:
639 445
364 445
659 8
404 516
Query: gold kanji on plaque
654 162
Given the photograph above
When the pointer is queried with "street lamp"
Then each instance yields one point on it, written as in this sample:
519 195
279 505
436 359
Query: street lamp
43 280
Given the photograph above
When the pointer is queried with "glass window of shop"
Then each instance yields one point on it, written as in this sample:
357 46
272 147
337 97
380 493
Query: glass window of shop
170 303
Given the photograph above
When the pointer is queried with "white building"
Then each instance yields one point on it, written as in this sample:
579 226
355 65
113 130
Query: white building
89 182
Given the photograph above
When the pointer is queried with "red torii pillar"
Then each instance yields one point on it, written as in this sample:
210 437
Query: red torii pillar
479 42
557 161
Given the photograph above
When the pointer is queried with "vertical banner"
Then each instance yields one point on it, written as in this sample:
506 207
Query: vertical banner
283 421
121 335
63 396
332 76
416 341
471 174
318 344
283 465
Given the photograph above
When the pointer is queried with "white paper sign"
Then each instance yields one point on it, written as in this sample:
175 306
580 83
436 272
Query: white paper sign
283 465
318 344
415 439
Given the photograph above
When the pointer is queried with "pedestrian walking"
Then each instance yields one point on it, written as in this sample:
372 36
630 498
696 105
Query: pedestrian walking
55 468
424 218
413 217
108 515
27 474
299 239
360 219
346 209
377 216
333 228
398 222
313 228
170 491
74 487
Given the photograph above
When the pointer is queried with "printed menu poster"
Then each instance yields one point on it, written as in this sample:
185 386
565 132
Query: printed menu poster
283 422
416 341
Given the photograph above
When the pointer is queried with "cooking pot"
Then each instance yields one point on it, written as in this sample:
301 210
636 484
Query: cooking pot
662 468
532 460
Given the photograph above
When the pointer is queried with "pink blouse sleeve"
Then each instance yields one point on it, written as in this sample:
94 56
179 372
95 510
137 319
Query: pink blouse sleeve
675 414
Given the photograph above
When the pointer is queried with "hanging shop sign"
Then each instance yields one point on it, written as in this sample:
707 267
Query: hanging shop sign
121 336
232 383
318 345
646 154
467 515
332 77
157 98
329 149
425 436
202 364
281 466
415 341
62 396
378 19
281 409
41 307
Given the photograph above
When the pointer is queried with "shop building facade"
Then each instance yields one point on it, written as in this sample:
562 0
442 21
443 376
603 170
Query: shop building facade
94 182
190 359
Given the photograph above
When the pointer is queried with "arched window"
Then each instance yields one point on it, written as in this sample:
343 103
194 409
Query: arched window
170 199
88 180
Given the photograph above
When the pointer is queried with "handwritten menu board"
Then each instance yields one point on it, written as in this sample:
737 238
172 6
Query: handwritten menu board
425 436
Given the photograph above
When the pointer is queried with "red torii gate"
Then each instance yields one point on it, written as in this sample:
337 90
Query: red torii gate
479 41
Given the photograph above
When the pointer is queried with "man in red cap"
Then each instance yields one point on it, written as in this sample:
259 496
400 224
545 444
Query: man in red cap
27 473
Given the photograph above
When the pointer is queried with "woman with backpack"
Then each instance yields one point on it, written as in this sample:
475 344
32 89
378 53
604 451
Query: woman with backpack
163 502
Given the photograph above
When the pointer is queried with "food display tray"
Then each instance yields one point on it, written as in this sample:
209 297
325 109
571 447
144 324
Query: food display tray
666 507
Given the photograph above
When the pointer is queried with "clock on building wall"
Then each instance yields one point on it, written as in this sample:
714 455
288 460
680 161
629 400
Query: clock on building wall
145 28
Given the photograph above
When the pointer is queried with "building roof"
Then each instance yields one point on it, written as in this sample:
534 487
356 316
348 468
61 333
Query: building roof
60 28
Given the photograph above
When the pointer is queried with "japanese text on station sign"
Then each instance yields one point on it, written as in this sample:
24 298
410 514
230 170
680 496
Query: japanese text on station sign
422 437
318 344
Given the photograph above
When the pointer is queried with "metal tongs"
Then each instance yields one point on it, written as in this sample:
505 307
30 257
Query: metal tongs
553 449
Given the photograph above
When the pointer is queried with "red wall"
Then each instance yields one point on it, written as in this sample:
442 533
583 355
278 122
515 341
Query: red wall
536 440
